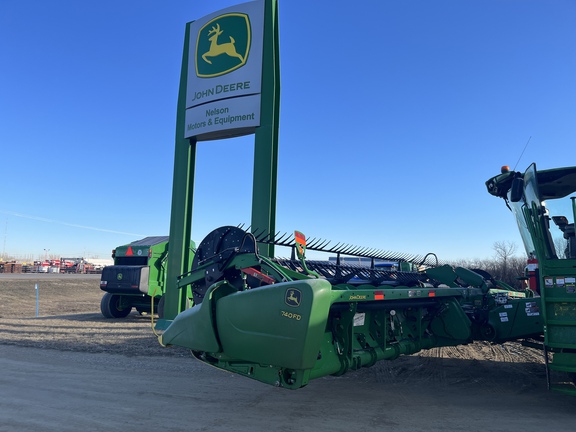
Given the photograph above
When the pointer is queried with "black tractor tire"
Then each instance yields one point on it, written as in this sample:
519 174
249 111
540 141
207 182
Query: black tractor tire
111 307
162 303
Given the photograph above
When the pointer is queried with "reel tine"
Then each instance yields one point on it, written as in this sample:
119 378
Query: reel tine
406 256
280 240
266 238
318 244
369 252
337 248
334 248
391 256
374 253
356 250
361 251
386 255
259 235
311 243
348 250
322 245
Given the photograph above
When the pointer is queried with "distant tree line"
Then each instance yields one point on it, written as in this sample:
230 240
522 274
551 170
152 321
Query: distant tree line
19 258
505 265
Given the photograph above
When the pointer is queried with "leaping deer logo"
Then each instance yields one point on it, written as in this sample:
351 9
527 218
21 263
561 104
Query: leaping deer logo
217 49
293 297
223 45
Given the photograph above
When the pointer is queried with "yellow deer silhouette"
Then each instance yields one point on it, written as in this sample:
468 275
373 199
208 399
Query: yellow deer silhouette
292 298
218 49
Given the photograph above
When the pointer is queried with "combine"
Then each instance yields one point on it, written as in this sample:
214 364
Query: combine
545 213
287 321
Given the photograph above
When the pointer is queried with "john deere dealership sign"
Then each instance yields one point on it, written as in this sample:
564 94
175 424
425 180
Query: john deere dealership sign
225 72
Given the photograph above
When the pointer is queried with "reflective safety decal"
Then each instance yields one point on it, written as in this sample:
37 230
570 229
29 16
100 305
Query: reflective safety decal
359 319
532 309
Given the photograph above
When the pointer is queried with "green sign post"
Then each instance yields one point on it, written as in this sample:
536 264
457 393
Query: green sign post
229 86
266 136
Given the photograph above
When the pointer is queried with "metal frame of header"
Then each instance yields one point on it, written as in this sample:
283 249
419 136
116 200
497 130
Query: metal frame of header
265 164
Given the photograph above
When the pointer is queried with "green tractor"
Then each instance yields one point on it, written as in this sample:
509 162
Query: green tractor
544 204
287 321
137 278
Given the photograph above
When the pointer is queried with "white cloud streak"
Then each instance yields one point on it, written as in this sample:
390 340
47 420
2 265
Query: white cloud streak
41 219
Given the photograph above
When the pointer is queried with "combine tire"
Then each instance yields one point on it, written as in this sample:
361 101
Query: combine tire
111 306
161 307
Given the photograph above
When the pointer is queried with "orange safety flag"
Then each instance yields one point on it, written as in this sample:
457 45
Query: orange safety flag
300 238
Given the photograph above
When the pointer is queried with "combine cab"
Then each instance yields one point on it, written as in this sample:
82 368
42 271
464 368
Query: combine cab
287 321
137 278
544 204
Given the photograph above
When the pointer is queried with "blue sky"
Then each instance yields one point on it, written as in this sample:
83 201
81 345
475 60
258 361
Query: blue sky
393 115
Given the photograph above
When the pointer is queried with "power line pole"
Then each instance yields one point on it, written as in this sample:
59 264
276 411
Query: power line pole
5 236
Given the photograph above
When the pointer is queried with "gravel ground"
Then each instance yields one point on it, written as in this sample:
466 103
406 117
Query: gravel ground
69 319
71 369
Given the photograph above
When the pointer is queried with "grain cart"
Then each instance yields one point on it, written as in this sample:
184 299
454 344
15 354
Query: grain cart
544 204
136 280
287 321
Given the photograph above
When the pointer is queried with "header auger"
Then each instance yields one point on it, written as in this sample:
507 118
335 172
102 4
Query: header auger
287 321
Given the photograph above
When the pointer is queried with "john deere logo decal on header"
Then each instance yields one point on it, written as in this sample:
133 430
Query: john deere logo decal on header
223 45
293 297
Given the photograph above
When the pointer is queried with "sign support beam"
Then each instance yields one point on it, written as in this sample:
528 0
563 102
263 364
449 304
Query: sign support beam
266 136
203 109
182 200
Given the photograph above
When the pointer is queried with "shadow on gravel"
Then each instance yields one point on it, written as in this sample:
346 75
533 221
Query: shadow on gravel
443 373
95 317
138 346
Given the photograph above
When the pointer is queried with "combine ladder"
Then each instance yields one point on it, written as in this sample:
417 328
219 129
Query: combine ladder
559 314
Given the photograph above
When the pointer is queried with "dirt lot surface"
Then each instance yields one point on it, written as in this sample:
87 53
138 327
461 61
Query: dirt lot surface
70 369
